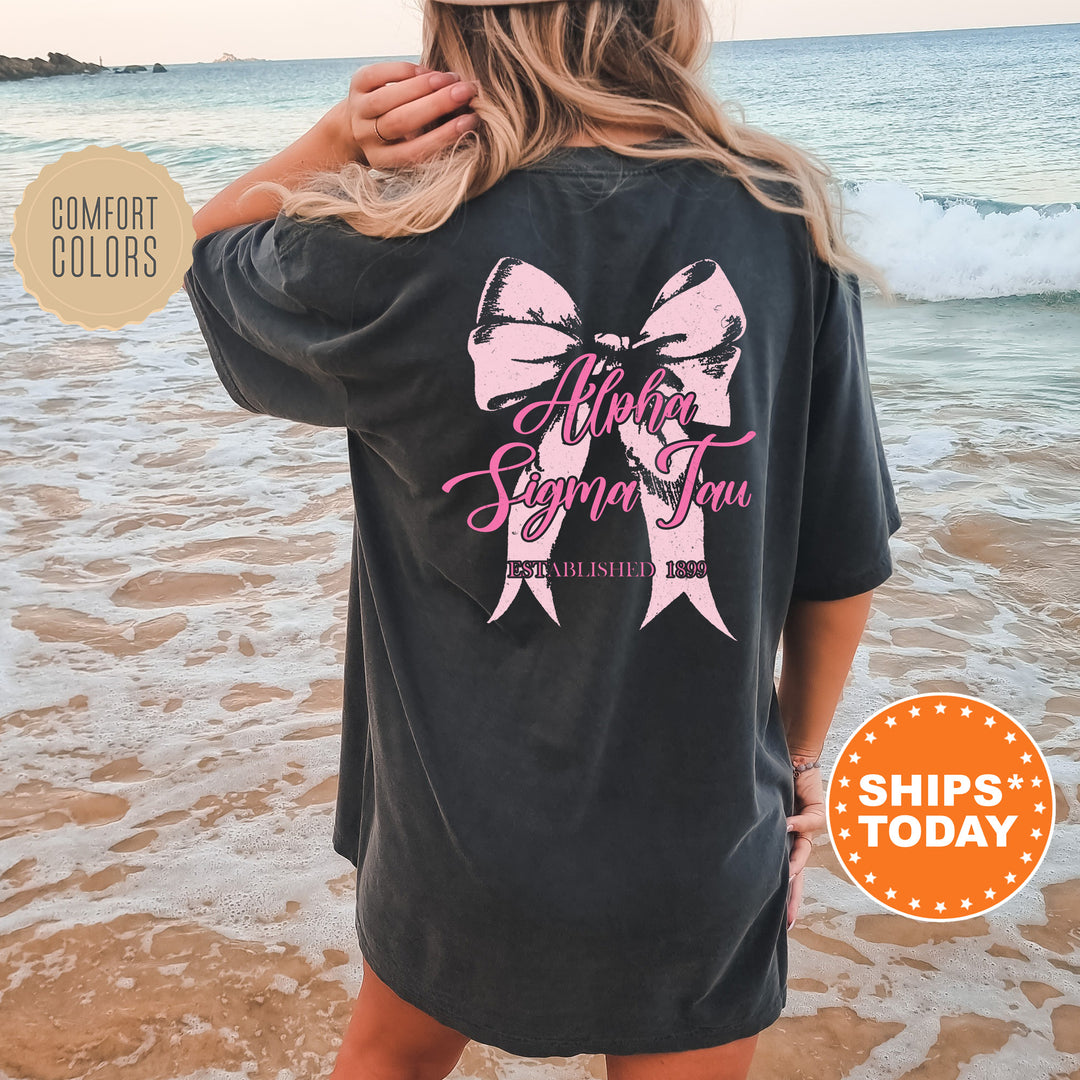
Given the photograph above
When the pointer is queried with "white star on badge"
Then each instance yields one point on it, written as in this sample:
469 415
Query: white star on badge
1010 878
870 879
1025 758
870 736
841 807
990 894
844 834
990 721
939 708
966 710
1036 781
1026 857
965 903
939 906
854 757
1036 833
914 710
890 894
891 721
1011 737
854 856
844 781
913 903
1039 807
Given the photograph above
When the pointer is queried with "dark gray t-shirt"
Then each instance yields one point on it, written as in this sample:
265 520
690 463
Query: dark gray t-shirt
603 424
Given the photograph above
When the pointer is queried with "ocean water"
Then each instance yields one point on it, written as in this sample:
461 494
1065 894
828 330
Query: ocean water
175 573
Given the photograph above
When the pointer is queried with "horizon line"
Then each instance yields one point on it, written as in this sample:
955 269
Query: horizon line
715 41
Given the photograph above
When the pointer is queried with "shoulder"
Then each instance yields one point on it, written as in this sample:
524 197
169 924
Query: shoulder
770 178
778 225
326 264
298 238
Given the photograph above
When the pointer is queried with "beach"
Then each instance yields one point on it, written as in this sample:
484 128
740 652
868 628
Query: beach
175 590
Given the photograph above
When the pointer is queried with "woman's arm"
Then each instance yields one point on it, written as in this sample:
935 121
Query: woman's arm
820 638
324 146
404 97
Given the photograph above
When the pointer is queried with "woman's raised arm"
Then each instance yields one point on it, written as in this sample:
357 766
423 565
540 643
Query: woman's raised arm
403 97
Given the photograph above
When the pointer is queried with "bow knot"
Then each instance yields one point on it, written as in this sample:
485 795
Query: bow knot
615 342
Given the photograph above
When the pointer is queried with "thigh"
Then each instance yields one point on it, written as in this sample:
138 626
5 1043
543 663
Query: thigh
728 1062
389 1038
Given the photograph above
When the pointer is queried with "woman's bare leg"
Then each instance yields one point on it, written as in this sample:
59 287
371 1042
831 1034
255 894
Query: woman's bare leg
389 1039
728 1062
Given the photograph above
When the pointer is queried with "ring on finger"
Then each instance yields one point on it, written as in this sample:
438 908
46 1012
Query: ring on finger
381 136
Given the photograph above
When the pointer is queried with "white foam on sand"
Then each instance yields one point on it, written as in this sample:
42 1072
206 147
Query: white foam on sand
91 502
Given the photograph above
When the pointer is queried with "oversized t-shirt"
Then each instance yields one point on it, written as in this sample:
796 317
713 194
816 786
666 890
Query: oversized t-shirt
603 425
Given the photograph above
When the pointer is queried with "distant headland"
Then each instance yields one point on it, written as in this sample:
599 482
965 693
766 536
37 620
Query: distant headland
14 67
228 58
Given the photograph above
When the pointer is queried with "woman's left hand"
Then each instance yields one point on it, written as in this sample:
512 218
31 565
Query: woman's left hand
405 99
808 820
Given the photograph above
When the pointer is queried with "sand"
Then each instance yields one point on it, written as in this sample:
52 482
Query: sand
170 903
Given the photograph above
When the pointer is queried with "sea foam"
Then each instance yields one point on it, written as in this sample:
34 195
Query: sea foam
950 248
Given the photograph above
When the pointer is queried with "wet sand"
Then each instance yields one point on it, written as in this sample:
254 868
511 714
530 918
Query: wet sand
170 903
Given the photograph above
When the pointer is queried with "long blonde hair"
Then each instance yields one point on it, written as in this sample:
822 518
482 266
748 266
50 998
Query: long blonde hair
550 71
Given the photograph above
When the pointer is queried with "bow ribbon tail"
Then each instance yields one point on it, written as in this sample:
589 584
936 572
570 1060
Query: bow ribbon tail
660 494
554 459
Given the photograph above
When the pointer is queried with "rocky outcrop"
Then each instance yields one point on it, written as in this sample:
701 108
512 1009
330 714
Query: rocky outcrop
13 67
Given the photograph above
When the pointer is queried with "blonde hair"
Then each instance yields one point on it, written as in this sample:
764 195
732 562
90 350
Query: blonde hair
551 71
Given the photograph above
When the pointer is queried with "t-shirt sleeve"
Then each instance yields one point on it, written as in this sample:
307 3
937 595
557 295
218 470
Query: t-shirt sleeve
849 508
245 284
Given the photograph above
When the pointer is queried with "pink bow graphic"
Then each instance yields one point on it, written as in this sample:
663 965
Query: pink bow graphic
528 330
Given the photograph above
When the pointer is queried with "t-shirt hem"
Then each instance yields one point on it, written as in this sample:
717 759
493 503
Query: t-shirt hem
343 849
841 589
565 1044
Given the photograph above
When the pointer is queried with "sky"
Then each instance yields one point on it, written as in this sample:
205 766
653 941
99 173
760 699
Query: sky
149 31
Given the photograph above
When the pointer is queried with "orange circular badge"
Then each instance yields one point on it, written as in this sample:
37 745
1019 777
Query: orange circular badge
940 807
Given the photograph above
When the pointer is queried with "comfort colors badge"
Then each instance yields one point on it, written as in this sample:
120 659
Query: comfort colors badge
103 237
940 807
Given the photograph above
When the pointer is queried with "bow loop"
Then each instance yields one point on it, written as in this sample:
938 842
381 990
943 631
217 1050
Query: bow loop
694 324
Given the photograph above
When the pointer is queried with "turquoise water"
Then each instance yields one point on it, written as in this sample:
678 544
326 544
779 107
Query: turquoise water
982 114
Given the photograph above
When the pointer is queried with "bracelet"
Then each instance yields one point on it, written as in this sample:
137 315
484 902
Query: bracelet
796 769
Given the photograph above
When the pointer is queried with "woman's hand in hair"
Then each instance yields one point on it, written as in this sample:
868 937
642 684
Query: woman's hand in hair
419 112
416 109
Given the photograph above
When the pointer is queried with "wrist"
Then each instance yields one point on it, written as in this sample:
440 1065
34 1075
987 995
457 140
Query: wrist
336 132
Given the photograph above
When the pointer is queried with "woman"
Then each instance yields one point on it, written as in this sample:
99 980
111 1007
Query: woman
597 349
